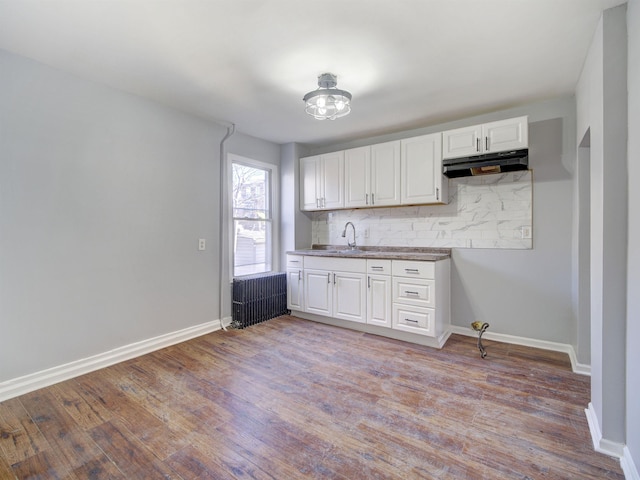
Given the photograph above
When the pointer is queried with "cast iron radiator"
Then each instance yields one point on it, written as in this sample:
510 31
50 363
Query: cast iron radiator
257 298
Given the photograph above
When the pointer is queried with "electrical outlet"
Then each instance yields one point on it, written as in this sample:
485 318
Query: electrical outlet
525 231
366 232
202 244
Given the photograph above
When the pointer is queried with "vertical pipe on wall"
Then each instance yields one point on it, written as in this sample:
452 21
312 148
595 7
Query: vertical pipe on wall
223 222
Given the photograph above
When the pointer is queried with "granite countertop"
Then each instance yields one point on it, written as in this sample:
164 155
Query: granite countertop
389 253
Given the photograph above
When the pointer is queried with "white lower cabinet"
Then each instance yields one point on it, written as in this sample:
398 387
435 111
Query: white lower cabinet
295 291
421 297
318 292
379 293
336 287
406 296
350 296
413 319
413 291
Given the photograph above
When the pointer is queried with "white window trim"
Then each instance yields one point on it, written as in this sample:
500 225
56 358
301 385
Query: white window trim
275 208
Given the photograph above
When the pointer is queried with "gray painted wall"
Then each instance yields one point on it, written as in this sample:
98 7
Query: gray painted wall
633 275
526 293
582 252
522 293
601 111
295 225
103 196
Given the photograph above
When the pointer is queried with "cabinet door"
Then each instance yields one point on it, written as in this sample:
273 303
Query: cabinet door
309 194
357 163
318 292
385 174
421 169
462 142
349 296
332 180
379 300
295 292
511 134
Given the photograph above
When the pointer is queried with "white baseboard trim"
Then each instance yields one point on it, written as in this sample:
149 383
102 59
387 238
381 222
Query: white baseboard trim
434 342
602 445
28 383
628 466
579 368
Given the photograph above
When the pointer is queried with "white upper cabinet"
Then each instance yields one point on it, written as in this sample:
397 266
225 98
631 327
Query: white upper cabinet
309 194
401 172
322 182
421 167
512 134
332 177
501 136
385 174
372 175
357 177
462 142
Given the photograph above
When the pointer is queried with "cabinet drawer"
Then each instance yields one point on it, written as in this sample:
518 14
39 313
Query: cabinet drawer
406 268
295 261
379 267
414 292
413 319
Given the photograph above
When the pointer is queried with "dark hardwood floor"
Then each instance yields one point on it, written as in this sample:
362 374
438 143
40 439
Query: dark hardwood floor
291 399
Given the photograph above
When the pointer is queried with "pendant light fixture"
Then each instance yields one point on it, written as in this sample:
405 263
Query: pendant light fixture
327 102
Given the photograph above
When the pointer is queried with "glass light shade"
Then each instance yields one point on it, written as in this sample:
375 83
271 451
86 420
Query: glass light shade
327 102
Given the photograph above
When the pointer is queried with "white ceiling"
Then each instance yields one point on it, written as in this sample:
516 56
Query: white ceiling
408 63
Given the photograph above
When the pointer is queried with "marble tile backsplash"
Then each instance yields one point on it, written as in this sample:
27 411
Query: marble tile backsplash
490 211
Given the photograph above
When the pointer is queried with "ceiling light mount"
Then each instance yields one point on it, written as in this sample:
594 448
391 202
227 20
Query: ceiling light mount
327 102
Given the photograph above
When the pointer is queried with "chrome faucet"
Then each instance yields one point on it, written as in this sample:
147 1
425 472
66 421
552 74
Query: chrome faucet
352 246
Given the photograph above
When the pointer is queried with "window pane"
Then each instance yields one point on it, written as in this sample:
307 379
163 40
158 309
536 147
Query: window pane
250 188
252 247
252 215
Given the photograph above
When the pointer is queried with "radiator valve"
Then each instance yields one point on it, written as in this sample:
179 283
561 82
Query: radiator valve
480 327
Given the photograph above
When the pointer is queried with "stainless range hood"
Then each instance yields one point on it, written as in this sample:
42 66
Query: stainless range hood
487 164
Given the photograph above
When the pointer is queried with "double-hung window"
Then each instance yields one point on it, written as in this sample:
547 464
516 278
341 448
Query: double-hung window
252 204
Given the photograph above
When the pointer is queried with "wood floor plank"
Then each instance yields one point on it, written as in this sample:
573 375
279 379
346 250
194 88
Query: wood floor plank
231 460
191 464
5 469
45 465
87 413
128 453
362 458
290 398
73 448
165 433
121 395
20 438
